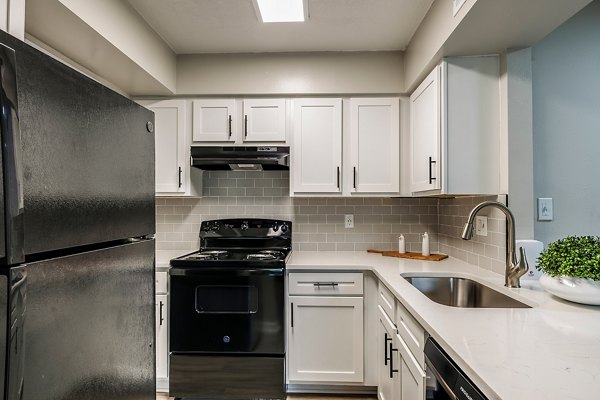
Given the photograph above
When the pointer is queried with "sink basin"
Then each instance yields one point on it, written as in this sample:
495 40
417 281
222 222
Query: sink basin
461 292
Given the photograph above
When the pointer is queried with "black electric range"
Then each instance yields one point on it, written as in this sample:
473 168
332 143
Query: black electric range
227 318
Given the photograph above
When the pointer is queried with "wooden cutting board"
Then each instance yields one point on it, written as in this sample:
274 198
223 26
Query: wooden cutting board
408 254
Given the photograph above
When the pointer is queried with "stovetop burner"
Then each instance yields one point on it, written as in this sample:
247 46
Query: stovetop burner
234 257
209 255
215 252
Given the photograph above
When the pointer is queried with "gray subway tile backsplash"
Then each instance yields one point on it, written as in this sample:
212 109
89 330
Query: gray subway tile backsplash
319 222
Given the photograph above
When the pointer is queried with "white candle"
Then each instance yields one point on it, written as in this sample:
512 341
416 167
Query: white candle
425 247
401 244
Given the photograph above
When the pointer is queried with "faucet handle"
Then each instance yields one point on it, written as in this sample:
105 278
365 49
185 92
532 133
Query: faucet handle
522 265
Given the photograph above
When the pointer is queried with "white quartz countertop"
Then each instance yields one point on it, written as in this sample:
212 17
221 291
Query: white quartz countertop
550 351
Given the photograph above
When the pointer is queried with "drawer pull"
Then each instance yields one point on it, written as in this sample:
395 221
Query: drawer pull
319 284
161 319
392 370
385 348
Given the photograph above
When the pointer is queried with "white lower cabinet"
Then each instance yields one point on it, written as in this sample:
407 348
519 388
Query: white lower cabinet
401 372
326 339
410 381
162 339
325 328
162 333
386 331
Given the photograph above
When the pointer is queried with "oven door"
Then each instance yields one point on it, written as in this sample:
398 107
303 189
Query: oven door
227 310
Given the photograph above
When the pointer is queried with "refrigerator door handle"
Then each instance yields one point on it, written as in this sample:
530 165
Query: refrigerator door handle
15 357
12 158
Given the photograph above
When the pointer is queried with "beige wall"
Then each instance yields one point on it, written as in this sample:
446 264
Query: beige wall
426 46
290 73
107 38
122 26
481 27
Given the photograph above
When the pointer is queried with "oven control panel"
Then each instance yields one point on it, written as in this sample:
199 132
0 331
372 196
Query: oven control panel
245 228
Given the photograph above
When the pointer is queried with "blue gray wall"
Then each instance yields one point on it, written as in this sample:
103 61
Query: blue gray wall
566 125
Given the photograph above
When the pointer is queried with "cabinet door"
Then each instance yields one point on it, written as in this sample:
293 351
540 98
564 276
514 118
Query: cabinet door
325 340
169 133
425 134
375 145
264 120
412 380
162 339
214 120
385 333
317 147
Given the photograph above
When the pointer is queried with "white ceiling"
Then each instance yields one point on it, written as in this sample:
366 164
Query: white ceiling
231 26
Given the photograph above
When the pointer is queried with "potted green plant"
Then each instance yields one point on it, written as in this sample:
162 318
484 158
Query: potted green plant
571 269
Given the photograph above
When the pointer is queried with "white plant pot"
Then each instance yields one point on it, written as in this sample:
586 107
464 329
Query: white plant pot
578 290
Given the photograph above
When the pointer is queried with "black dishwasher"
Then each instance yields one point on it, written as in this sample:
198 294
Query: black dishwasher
448 381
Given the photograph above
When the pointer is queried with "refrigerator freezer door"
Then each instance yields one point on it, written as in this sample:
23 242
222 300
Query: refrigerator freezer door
89 332
88 157
11 172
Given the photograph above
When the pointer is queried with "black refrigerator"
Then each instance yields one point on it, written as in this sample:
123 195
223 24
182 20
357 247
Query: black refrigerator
76 235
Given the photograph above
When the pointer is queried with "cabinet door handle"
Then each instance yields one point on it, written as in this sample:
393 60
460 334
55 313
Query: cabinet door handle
160 313
245 126
392 370
385 348
292 314
319 284
338 177
354 174
431 178
180 183
230 126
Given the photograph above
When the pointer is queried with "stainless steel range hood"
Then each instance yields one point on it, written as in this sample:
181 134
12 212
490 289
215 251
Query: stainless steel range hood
240 158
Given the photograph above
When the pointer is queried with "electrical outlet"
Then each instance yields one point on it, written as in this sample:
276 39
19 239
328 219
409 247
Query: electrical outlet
481 225
349 221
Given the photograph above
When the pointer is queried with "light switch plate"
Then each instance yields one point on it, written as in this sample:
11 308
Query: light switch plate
545 210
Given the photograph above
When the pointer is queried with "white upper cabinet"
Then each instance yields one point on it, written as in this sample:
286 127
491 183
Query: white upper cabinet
425 125
317 146
215 120
239 121
169 133
374 165
264 120
455 129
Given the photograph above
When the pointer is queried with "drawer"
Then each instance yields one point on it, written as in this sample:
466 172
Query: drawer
386 300
161 282
411 332
416 370
326 284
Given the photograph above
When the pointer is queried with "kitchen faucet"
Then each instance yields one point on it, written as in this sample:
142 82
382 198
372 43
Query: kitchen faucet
514 269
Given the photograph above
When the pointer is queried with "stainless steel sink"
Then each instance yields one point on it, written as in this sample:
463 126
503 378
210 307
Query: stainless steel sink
461 292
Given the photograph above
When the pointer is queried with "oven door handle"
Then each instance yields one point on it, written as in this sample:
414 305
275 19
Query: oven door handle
226 271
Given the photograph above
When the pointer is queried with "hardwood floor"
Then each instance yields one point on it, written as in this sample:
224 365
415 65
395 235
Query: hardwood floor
162 396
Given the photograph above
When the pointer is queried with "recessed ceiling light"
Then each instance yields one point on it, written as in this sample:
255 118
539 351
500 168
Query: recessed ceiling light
281 10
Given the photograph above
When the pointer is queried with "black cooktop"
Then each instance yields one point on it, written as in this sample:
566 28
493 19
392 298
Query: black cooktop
247 258
240 243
